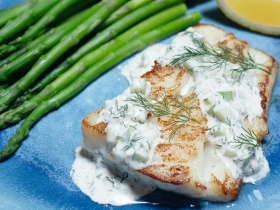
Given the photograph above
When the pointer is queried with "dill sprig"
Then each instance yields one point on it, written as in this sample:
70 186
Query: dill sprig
121 110
124 176
250 138
131 140
218 57
164 105
111 179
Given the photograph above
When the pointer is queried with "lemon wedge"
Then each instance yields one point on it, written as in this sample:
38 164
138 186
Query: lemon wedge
258 15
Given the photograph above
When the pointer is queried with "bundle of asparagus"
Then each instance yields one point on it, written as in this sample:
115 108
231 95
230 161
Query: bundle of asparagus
56 48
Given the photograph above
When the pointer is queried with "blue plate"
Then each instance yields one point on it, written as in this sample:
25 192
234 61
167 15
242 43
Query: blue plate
37 176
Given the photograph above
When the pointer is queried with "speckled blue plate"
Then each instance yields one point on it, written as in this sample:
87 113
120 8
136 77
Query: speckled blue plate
37 176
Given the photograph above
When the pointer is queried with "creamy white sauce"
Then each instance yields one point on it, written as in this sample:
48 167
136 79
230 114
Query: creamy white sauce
103 182
226 100
133 138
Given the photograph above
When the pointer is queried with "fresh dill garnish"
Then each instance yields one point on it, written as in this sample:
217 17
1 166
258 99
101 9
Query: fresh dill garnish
126 147
121 110
132 139
164 105
211 129
133 126
169 48
250 138
228 122
123 123
98 176
124 176
187 32
110 179
218 56
98 153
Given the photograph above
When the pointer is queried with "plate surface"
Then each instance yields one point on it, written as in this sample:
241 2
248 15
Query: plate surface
37 176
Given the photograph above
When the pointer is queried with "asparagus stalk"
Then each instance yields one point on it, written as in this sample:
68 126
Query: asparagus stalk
9 14
121 12
117 28
14 115
124 10
40 39
102 66
3 87
25 48
7 49
107 7
25 19
76 19
31 55
12 12
100 39
49 17
94 43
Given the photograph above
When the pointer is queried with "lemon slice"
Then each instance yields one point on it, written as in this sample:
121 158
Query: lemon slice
258 15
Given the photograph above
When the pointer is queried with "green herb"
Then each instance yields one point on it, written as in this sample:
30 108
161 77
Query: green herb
126 147
250 138
164 106
110 179
124 176
98 176
228 121
98 153
211 129
131 140
92 184
219 56
121 110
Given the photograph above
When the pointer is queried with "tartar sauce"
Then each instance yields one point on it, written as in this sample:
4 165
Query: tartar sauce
131 135
226 98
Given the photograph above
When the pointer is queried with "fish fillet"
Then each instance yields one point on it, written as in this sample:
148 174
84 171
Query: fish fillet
188 164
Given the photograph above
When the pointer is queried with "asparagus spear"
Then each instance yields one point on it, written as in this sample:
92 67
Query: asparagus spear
14 115
52 37
13 46
25 19
92 44
116 29
31 55
7 49
97 41
107 7
12 12
41 38
25 48
124 10
102 66
49 17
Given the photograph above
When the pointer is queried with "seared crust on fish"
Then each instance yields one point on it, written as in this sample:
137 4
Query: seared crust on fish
188 163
